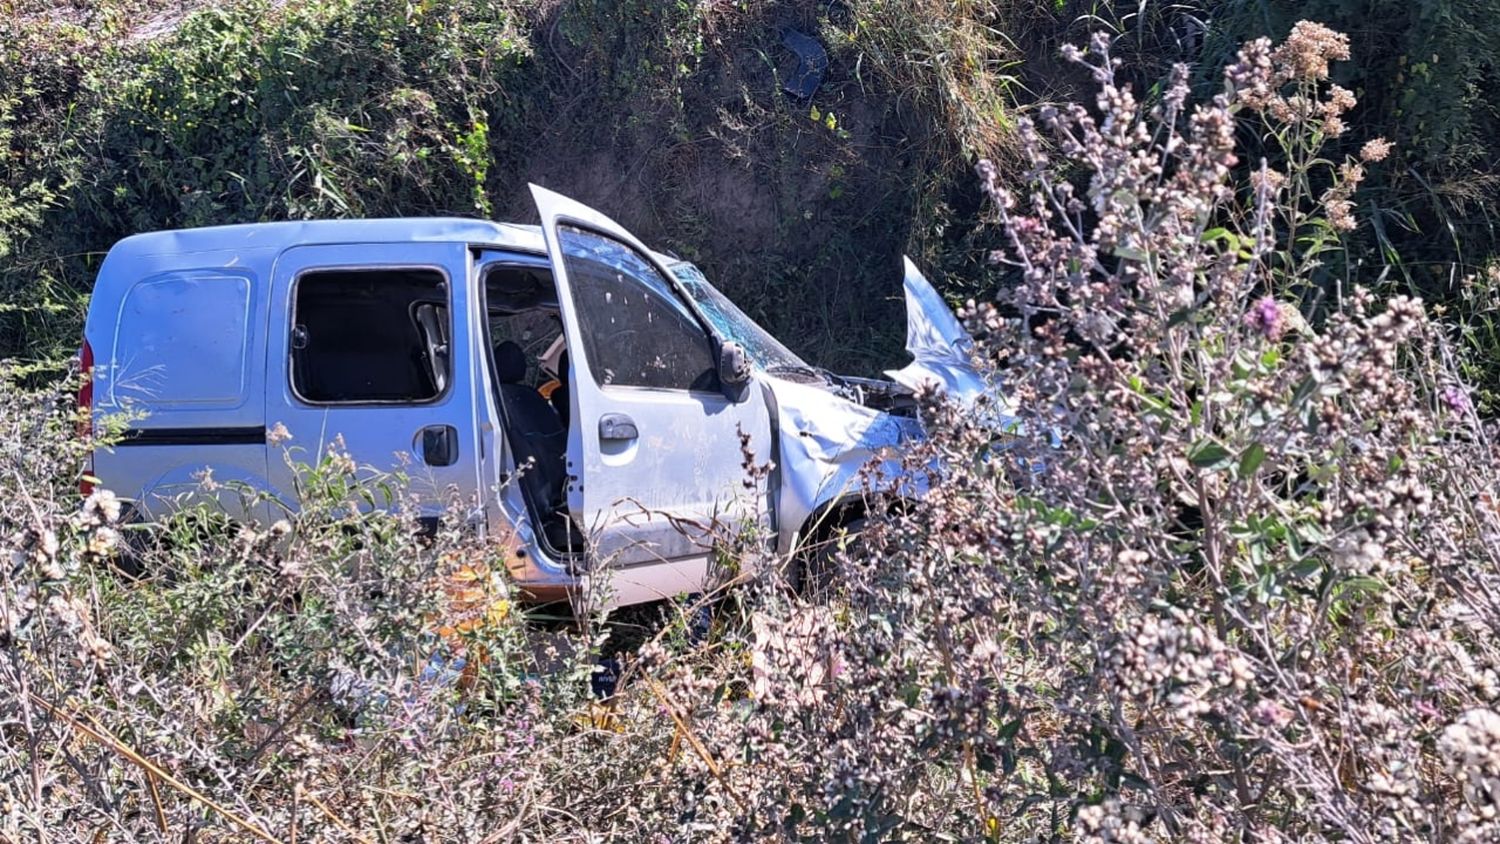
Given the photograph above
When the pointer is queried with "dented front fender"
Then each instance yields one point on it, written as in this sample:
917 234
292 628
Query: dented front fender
832 448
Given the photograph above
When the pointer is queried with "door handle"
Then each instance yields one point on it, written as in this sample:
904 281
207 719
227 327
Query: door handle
617 426
438 445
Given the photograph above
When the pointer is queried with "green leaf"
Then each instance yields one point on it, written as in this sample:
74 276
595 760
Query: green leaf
1306 568
1009 729
1207 454
1055 516
1357 586
1251 459
1158 406
1312 533
1231 240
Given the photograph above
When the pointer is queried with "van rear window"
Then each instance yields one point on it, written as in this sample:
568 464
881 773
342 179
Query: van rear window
370 336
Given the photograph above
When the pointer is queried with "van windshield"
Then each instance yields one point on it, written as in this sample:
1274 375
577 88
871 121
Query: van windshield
765 352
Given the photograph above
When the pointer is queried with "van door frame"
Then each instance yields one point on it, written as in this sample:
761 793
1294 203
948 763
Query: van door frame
514 504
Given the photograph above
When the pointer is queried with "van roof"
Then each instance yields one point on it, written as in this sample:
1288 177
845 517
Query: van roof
323 232
527 238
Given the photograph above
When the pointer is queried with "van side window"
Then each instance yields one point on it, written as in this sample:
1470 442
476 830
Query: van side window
370 336
636 332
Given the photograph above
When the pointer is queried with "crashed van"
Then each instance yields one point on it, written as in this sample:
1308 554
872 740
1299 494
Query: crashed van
595 399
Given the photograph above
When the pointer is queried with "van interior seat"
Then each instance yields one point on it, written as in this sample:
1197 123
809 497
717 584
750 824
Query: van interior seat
533 429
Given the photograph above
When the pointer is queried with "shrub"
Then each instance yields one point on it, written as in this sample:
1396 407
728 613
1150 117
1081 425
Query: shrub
235 113
1227 572
1426 79
1230 575
241 678
1227 577
668 116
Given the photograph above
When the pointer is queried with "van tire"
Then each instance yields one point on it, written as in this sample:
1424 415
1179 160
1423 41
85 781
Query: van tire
136 543
814 570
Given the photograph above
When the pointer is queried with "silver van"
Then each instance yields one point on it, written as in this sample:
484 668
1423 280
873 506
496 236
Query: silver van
589 394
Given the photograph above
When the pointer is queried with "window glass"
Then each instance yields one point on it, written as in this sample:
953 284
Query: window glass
363 336
765 351
636 332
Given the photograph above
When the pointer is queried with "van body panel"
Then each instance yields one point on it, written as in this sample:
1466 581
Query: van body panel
232 476
183 341
278 237
617 586
179 344
178 339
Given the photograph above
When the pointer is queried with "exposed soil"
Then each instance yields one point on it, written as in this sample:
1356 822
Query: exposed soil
799 209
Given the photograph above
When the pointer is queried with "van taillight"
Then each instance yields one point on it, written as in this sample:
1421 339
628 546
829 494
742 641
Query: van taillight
85 413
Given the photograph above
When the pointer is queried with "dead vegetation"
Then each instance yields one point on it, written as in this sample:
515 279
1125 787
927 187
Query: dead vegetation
1250 597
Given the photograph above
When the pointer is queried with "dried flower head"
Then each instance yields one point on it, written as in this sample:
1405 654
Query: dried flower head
1266 318
1252 75
1376 149
1456 399
101 507
1267 181
278 435
1308 49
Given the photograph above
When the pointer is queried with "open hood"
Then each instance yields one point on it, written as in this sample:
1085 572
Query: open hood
941 350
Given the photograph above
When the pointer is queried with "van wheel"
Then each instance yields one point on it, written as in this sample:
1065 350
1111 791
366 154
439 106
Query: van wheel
136 543
814 571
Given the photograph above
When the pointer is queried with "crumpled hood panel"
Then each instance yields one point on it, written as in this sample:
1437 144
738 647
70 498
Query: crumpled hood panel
827 426
825 443
826 440
941 349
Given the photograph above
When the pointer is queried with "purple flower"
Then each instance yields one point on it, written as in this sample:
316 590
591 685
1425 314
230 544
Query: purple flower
1271 714
1456 399
1266 318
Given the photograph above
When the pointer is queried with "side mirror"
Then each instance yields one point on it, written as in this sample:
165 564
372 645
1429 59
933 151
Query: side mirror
734 370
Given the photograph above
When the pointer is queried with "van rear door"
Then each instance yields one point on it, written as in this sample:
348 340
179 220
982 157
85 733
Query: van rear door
371 356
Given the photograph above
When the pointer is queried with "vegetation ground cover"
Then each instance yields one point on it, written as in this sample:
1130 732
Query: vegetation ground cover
131 115
1234 577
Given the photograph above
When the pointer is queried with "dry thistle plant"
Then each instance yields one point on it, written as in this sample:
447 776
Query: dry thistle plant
1233 577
